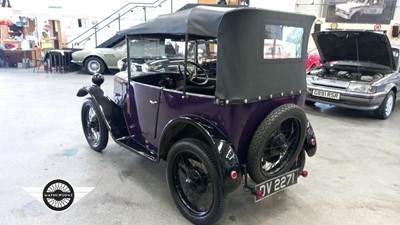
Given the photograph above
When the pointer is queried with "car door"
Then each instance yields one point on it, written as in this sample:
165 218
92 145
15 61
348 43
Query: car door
147 98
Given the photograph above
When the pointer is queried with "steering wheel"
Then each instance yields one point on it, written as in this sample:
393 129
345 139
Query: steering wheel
192 72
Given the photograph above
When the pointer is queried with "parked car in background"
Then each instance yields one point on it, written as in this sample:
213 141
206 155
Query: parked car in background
214 127
335 2
356 8
313 61
99 60
360 71
275 49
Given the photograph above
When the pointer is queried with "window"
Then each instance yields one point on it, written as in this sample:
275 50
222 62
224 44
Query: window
282 42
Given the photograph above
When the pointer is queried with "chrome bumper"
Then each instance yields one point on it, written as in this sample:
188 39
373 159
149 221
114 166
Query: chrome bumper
77 62
343 15
351 100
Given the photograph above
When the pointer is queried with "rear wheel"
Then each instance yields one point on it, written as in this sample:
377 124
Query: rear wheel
276 143
94 65
95 130
194 181
386 108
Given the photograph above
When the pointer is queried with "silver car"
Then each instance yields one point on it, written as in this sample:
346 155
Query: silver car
360 70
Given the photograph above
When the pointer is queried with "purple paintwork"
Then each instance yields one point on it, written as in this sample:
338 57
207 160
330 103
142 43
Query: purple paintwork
146 121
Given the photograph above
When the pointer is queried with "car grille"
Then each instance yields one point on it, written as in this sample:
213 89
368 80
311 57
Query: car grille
330 86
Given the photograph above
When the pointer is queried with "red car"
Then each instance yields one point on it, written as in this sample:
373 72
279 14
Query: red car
313 61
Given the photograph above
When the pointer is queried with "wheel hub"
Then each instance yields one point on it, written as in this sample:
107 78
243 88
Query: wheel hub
196 181
279 141
94 66
278 145
389 105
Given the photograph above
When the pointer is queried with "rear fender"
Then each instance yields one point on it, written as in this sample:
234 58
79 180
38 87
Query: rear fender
111 113
310 142
201 129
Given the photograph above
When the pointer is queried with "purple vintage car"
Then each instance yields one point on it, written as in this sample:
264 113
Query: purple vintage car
214 107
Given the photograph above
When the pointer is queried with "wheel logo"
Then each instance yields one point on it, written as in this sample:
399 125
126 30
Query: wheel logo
58 195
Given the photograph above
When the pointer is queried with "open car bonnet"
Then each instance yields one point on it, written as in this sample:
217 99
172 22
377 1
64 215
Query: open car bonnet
363 46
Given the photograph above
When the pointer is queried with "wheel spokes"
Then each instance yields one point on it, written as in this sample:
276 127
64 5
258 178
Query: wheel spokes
92 127
193 183
280 145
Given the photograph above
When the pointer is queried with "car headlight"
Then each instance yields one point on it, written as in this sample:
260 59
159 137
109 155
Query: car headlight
361 87
145 68
309 79
133 68
120 64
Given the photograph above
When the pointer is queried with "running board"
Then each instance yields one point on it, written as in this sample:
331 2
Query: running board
132 145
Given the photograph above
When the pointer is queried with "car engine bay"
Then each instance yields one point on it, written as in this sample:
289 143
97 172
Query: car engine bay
349 73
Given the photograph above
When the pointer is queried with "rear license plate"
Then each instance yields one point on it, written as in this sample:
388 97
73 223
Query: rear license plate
276 184
326 94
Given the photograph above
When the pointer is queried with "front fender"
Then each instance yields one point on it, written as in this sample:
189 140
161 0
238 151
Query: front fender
111 113
192 126
101 101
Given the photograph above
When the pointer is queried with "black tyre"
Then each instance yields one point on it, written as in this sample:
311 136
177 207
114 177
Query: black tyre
95 130
194 181
386 108
309 103
276 143
94 65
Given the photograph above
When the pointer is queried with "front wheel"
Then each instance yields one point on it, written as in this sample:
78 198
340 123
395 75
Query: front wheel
95 130
194 181
386 108
276 143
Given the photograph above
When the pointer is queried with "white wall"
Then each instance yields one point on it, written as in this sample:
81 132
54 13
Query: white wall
283 5
68 12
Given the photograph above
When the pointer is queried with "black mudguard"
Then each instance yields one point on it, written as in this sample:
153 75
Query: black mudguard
110 112
310 142
228 160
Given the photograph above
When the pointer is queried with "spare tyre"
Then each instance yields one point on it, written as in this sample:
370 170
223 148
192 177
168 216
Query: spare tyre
277 142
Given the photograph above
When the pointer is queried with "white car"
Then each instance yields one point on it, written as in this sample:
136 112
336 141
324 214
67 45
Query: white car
356 8
360 70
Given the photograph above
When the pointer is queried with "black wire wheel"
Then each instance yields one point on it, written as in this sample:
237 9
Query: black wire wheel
194 181
95 130
276 143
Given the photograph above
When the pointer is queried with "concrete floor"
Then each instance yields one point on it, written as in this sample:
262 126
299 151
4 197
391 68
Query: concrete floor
354 177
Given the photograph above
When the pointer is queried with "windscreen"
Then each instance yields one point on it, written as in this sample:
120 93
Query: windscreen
165 54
